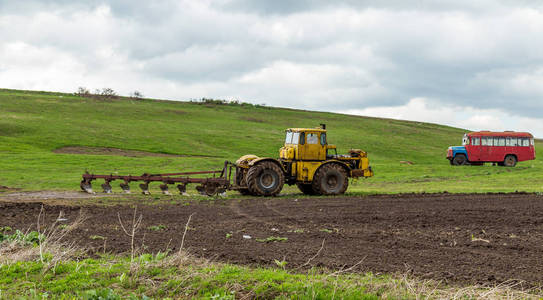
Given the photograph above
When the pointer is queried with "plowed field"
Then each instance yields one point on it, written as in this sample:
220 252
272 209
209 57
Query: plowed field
484 238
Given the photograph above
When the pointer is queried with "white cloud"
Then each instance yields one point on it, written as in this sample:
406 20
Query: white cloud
424 110
388 58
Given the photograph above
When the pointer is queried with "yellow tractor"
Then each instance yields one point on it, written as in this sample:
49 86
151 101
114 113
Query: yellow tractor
306 160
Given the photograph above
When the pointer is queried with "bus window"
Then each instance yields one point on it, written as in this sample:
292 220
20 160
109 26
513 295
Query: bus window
501 141
532 142
525 142
475 141
511 141
484 141
496 141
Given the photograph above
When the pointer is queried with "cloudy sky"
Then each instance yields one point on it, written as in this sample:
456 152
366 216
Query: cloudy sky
472 64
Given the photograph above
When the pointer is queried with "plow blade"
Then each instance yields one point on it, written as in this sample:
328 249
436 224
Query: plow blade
145 188
125 187
107 188
182 189
164 189
86 186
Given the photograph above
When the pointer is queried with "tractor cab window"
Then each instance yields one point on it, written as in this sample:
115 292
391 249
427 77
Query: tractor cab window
312 138
292 138
295 138
288 139
323 139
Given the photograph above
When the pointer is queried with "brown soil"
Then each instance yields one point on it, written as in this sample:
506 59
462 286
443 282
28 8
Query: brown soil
50 196
473 239
4 188
116 151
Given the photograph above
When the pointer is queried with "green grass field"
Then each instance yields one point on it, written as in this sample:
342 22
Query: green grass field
34 124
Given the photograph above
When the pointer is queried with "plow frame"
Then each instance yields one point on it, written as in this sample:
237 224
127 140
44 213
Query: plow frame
218 183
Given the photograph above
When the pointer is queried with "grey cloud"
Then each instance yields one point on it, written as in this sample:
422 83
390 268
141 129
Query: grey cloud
285 7
350 55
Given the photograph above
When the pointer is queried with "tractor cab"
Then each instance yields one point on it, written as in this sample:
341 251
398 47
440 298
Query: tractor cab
305 144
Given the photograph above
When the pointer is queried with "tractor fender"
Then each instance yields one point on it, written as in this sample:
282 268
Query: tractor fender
261 159
245 160
333 161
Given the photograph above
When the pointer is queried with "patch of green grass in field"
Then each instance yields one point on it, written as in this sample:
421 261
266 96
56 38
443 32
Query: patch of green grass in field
147 277
33 124
175 276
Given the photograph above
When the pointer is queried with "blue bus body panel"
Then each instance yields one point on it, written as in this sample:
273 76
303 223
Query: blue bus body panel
459 150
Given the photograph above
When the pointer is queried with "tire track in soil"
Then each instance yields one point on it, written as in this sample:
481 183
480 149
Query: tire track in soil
429 235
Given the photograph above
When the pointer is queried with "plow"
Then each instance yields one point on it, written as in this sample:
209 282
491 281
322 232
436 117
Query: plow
216 182
306 160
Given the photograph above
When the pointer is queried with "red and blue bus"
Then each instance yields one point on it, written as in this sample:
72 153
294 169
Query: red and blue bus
505 148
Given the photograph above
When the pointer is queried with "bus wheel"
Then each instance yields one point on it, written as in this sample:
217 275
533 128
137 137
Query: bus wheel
459 159
510 161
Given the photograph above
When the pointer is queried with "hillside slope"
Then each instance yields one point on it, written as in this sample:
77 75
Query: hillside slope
33 125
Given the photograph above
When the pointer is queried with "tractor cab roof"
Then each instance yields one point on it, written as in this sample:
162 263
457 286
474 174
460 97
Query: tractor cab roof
317 129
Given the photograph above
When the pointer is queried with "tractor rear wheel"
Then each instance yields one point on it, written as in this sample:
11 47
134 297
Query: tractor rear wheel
265 179
459 159
306 188
510 161
330 179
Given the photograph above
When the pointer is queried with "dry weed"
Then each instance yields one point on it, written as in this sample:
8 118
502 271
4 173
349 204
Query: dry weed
51 248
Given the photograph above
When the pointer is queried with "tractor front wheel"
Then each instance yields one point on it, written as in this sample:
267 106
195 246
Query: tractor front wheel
265 179
330 179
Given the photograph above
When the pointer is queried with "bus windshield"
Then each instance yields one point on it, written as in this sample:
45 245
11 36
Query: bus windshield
465 140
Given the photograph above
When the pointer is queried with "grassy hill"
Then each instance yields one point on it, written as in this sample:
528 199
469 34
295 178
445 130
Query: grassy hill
35 124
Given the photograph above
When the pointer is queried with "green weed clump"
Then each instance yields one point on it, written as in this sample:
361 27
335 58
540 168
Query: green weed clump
30 238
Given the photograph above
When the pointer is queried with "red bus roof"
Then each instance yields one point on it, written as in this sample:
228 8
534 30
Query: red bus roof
504 133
